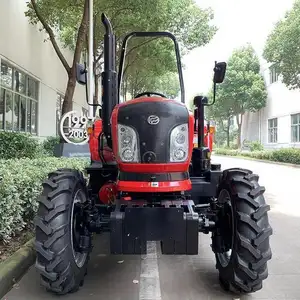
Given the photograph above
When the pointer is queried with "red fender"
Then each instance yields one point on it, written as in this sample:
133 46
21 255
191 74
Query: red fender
94 144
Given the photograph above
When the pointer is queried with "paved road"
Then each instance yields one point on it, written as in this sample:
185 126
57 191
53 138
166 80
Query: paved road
194 277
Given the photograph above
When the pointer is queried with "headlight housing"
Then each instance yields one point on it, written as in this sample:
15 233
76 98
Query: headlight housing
179 143
128 149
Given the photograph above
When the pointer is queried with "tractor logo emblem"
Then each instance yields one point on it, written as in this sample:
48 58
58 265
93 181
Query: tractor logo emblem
153 120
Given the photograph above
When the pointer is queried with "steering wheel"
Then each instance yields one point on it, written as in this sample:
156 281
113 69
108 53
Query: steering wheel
149 94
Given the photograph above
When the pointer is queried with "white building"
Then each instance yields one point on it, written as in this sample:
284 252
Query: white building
32 78
278 124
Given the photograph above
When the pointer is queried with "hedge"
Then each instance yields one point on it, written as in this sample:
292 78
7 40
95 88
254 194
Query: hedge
19 145
49 144
20 185
286 155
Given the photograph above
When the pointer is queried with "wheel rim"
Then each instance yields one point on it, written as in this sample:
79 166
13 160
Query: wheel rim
226 227
79 257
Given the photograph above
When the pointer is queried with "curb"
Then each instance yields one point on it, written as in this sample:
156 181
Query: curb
13 268
260 160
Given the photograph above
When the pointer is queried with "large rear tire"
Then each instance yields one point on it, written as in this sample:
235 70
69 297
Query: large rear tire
245 232
61 265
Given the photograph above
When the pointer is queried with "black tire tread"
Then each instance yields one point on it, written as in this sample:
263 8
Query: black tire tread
52 261
252 249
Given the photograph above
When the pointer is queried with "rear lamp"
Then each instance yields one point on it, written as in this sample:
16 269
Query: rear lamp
212 126
212 129
90 130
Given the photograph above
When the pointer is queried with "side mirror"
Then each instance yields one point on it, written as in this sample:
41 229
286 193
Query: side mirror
220 70
81 74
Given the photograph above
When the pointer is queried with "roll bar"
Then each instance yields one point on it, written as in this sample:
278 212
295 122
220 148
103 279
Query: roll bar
151 34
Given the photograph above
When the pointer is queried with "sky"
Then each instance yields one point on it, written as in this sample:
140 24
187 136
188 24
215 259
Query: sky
239 22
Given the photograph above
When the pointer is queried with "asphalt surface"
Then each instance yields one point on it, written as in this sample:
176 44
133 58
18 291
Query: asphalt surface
157 277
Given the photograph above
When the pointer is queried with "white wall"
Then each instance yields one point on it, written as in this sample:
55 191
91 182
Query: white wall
22 45
281 103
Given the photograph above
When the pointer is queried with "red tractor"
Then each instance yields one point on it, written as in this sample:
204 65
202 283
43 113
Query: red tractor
148 183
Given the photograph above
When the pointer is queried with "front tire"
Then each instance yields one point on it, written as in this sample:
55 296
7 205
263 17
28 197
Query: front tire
59 262
244 229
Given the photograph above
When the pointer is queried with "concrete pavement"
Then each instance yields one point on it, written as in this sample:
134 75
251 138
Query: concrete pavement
157 277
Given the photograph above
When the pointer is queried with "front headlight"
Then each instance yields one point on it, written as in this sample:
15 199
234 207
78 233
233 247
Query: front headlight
179 143
127 144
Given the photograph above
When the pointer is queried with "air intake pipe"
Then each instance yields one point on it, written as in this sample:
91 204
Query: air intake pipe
109 79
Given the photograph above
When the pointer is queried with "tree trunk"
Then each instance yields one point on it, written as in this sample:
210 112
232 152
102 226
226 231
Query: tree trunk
125 90
96 96
70 90
239 123
239 137
69 94
228 133
71 84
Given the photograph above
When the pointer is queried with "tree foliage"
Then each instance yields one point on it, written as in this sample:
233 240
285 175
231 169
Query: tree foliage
150 65
66 20
184 18
222 113
168 84
53 15
283 48
225 137
243 89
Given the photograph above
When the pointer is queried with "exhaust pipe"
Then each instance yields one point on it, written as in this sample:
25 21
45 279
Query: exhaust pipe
109 79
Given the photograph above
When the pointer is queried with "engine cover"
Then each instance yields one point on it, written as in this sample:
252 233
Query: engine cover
153 119
153 123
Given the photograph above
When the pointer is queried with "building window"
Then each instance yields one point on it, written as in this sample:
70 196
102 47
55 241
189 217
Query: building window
272 129
19 94
295 126
273 74
59 104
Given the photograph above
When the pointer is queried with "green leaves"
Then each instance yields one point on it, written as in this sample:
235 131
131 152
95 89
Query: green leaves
190 24
149 65
50 143
242 90
21 175
57 13
20 186
17 145
152 63
285 155
283 48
